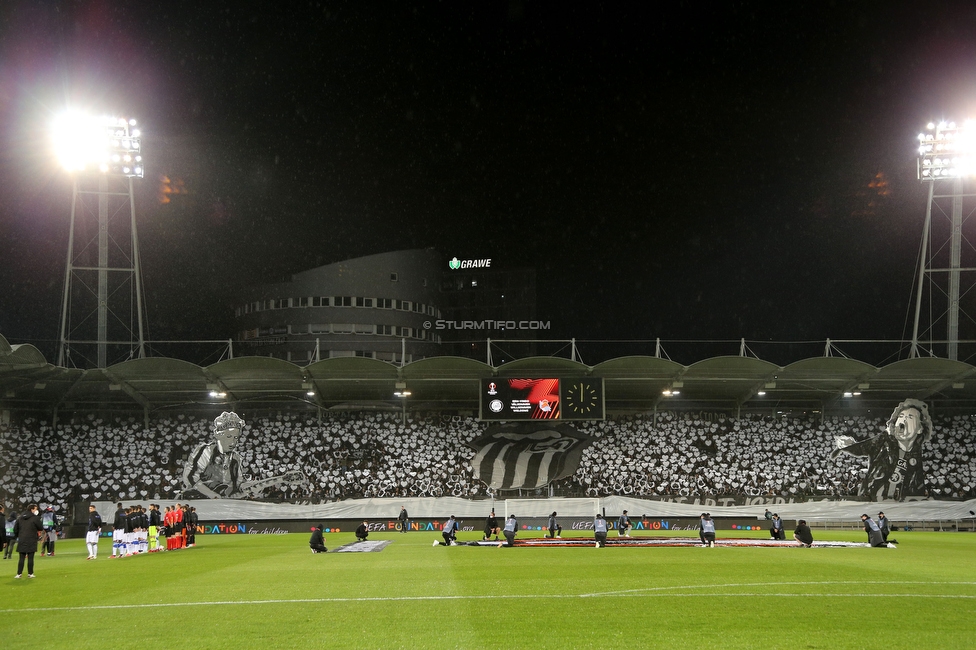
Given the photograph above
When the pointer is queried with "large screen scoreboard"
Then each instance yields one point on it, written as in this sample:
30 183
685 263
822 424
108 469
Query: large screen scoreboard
566 398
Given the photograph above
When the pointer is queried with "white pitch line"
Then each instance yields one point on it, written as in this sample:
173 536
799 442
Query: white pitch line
730 585
651 592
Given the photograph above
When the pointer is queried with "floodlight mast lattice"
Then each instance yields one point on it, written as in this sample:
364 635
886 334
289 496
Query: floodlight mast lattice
103 279
947 158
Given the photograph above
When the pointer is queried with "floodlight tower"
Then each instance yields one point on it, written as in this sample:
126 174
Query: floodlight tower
101 312
946 159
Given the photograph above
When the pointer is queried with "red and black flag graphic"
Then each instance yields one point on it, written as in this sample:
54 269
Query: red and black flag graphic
527 455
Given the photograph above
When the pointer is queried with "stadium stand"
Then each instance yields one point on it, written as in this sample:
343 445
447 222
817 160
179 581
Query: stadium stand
355 455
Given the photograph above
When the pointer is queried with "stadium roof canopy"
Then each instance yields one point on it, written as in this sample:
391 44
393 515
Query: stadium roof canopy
638 383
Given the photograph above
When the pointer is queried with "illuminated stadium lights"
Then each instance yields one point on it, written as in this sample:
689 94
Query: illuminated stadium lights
107 144
101 309
947 150
670 392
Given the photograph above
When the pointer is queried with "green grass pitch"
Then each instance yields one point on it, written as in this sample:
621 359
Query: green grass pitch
248 591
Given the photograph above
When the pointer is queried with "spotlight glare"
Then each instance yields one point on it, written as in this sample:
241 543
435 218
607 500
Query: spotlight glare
81 141
952 152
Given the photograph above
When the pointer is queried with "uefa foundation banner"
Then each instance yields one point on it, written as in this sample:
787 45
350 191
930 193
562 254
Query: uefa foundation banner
527 455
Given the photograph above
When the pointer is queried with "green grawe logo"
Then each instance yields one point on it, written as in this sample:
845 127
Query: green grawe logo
454 263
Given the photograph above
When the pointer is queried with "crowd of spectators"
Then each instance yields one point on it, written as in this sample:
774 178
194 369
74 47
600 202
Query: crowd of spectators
355 455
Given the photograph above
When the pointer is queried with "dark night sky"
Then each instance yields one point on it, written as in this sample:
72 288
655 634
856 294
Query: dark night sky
695 173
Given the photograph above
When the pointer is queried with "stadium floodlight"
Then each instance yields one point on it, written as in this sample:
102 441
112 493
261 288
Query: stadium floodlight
102 303
112 145
947 150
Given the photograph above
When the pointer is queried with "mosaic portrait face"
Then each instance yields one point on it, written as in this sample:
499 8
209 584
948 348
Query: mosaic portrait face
227 440
908 425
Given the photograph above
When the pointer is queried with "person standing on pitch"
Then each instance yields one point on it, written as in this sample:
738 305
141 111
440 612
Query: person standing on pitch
708 530
404 519
27 530
192 521
600 530
118 532
555 530
511 529
8 527
92 532
154 520
3 530
50 522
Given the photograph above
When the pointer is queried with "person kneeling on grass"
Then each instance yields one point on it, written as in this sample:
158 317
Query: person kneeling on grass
363 531
555 530
803 534
511 528
623 525
708 530
600 531
874 532
316 542
491 526
449 533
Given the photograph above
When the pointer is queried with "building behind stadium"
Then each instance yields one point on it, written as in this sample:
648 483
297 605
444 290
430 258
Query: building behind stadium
399 307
